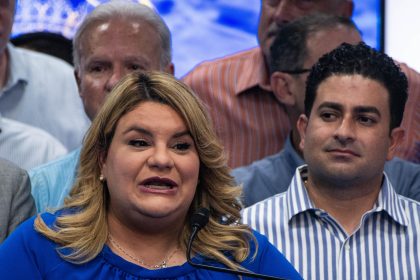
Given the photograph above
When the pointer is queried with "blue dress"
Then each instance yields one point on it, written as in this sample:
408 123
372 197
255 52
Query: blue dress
26 254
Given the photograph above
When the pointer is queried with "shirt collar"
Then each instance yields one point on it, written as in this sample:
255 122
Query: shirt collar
290 152
255 72
298 200
16 73
390 202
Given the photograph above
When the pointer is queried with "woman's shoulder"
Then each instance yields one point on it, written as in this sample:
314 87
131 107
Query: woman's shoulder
268 260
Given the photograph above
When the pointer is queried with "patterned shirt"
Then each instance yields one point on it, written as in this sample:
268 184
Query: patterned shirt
27 146
41 91
385 246
249 120
409 149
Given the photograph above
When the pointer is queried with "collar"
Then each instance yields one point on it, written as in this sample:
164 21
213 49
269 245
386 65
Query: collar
298 200
255 73
16 73
291 154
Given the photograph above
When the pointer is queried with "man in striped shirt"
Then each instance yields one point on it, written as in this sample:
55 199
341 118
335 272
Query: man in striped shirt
340 217
249 120
296 48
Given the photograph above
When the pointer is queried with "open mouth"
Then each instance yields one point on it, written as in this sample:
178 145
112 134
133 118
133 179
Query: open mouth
158 183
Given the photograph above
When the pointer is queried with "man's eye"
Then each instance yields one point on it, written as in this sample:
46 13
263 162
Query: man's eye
96 69
328 116
138 143
135 67
367 121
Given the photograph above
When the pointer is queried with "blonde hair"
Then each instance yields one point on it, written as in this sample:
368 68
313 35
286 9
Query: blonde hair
82 226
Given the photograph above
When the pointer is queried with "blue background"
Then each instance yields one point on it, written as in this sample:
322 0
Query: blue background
201 29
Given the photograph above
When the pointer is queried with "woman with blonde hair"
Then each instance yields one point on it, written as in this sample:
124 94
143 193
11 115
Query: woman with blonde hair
149 161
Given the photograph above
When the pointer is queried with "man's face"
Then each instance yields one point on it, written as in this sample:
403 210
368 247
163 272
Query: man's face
346 139
275 13
7 11
111 50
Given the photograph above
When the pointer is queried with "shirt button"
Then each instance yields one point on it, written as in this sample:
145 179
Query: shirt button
347 247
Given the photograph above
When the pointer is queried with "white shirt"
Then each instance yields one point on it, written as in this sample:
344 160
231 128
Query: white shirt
385 246
27 146
41 91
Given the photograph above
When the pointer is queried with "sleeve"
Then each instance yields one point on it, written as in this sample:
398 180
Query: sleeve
270 261
16 258
22 205
409 149
39 188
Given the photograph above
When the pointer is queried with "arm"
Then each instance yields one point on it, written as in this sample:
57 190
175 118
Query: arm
22 205
16 258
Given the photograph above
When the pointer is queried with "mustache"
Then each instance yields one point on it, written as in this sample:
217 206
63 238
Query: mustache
274 28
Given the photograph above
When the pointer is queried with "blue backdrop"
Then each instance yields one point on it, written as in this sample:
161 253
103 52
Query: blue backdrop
201 29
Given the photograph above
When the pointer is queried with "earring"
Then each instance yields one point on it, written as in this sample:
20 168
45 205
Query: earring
101 178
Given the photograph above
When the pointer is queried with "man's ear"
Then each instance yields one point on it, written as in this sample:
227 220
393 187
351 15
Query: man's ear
396 137
302 124
280 84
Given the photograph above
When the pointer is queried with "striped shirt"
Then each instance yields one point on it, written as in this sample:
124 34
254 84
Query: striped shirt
248 119
385 246
409 149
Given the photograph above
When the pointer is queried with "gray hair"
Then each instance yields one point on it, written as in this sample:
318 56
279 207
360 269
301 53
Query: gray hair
125 10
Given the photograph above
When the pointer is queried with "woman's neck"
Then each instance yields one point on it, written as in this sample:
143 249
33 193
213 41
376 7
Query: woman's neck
151 245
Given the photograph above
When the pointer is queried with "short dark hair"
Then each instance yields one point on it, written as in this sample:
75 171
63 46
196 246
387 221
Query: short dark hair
361 60
46 42
289 51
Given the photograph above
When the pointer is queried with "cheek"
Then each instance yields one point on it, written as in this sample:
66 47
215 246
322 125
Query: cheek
190 168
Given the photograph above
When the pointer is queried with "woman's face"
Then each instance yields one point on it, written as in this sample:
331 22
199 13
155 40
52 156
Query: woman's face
152 165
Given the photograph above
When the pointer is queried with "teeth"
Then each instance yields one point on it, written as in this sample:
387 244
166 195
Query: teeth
163 187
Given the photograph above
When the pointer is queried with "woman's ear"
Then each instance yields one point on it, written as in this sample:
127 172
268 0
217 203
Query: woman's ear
102 162
280 84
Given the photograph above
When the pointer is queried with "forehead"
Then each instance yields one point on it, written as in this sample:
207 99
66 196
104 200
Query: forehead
153 116
353 91
324 41
118 37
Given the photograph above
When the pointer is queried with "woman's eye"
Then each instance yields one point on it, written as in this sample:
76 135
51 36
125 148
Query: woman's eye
182 146
138 143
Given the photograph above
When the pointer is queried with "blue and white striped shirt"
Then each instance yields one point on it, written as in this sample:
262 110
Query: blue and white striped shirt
385 246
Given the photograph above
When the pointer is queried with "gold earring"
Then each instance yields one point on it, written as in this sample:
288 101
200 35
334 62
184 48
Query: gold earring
101 178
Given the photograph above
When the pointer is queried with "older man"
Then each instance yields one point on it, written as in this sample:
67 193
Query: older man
341 217
38 89
249 120
117 38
